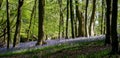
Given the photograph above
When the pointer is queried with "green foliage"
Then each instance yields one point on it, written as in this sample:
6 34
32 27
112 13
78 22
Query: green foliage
52 16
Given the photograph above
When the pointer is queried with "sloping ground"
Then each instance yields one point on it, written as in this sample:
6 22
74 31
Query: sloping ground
74 52
78 52
31 45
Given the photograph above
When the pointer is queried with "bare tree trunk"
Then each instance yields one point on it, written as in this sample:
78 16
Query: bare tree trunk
102 20
8 24
67 19
86 12
108 16
4 30
114 34
92 20
18 24
80 17
72 18
59 34
33 10
76 27
41 4
61 22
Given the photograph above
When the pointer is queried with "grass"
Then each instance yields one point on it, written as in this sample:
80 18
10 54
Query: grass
53 50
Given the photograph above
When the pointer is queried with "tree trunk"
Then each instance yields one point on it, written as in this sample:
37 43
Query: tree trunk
92 20
80 17
76 27
33 10
72 18
67 19
102 20
61 22
4 30
108 16
8 24
114 27
86 26
18 24
41 4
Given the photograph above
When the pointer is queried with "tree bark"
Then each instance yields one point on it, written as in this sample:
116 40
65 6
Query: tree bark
114 27
92 20
33 10
8 24
41 4
86 12
80 17
102 20
108 17
61 22
67 19
18 24
72 18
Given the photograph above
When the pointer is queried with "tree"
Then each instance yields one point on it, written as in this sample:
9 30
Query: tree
33 10
18 23
8 24
102 19
67 19
61 21
108 16
114 27
72 18
80 18
41 4
86 12
92 20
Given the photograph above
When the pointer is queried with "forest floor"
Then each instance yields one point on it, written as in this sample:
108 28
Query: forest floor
31 45
82 47
80 50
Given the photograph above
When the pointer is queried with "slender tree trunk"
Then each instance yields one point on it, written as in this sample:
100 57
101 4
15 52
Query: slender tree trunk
41 4
4 30
18 24
92 20
33 10
8 24
76 28
86 26
76 22
61 22
114 26
59 34
72 18
108 16
102 20
67 19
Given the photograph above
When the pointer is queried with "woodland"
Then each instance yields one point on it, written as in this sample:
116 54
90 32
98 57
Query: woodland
59 28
